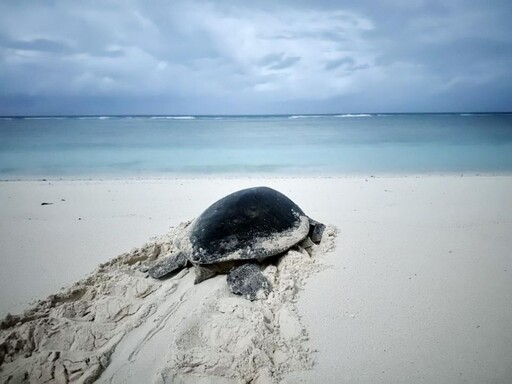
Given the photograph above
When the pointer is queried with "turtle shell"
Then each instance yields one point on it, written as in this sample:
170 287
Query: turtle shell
253 223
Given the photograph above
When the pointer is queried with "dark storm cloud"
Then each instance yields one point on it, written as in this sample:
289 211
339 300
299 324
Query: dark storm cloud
261 57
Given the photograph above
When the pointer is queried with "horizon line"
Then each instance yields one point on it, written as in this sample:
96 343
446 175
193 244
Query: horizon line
259 114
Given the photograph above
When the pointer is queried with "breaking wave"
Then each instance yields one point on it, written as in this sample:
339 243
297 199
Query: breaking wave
354 115
306 116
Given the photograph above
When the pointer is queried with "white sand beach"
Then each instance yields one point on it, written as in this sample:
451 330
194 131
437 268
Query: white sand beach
412 283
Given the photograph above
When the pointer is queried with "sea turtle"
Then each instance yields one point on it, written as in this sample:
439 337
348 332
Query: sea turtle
236 233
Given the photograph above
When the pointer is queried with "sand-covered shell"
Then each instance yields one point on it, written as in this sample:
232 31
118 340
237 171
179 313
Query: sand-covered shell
253 223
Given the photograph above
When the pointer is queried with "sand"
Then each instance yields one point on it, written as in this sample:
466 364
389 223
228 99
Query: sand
416 287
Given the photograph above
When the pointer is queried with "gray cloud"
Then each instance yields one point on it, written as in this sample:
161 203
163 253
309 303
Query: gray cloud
262 57
344 61
278 61
40 45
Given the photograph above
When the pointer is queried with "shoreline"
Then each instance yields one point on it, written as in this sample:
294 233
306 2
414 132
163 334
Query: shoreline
284 176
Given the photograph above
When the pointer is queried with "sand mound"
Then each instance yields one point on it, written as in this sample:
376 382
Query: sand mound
118 325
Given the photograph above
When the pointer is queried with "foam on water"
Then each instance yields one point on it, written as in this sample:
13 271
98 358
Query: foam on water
306 116
126 146
354 115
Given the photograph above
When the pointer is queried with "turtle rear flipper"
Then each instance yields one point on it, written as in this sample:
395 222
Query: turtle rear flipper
248 281
171 263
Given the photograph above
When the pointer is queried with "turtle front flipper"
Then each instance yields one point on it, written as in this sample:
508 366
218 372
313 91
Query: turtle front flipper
168 265
248 281
316 230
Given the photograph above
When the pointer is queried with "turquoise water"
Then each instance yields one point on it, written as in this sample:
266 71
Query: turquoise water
136 146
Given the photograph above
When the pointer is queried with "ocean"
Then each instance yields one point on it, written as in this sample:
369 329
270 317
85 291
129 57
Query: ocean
295 145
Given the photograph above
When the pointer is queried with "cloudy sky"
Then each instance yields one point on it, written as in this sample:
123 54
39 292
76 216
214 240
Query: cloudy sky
240 57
